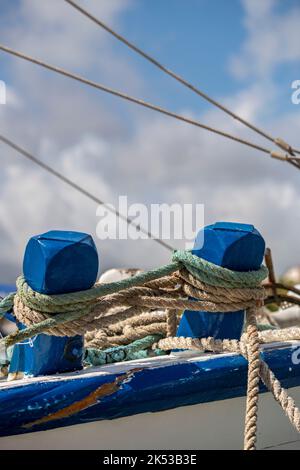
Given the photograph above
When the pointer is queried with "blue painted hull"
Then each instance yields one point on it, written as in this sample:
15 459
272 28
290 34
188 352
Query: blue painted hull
5 289
128 389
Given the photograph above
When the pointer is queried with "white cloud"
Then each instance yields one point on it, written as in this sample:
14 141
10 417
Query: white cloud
59 33
272 39
147 157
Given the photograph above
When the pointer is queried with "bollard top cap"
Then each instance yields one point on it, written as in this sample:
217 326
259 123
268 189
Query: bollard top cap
233 226
233 245
63 236
59 261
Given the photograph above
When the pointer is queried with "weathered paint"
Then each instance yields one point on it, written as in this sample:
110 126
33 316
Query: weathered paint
91 399
212 425
239 247
55 262
158 384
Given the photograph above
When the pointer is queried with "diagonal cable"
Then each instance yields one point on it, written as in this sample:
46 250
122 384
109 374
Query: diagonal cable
81 190
279 142
132 99
280 156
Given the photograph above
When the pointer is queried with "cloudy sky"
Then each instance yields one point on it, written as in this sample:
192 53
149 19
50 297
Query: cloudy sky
244 52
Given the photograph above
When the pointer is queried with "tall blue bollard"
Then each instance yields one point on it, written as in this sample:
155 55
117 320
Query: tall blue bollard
55 262
238 247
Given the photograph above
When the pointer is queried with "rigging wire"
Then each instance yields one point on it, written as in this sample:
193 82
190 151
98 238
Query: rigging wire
135 100
81 190
279 142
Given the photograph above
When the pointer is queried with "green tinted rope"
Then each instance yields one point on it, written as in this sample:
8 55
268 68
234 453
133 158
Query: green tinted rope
201 269
136 350
76 304
6 304
65 302
215 275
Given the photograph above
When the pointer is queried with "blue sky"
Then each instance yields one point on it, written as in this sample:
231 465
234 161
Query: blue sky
196 38
244 52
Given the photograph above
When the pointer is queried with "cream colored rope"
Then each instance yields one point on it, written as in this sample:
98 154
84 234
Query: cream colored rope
153 308
170 295
250 432
249 348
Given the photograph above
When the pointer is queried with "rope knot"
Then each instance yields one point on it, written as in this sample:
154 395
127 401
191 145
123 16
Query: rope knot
219 276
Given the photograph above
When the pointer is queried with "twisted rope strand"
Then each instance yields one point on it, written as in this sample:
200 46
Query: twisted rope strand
252 382
124 315
83 311
142 298
257 368
281 396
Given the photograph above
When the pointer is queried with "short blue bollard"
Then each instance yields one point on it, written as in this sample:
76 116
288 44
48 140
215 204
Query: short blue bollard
239 247
55 262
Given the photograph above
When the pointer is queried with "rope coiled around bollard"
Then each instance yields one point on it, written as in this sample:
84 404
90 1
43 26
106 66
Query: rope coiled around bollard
128 316
85 310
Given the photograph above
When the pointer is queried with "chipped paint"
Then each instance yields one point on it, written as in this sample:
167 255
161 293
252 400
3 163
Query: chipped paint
118 391
94 397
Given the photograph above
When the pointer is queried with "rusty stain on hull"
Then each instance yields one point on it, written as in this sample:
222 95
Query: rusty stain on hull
101 392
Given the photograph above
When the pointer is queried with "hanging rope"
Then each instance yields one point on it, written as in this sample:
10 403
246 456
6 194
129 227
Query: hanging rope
278 141
125 318
248 346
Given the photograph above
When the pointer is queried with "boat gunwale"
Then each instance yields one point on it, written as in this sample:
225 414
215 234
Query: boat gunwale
175 358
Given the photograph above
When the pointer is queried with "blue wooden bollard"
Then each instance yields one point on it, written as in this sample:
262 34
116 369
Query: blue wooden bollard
238 247
55 262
